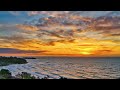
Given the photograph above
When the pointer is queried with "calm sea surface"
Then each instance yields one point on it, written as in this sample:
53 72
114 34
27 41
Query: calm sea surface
71 67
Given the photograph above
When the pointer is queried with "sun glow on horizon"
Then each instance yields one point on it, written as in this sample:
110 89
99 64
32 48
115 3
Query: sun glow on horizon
61 33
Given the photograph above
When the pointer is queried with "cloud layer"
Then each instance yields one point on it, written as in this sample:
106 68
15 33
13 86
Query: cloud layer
17 51
62 33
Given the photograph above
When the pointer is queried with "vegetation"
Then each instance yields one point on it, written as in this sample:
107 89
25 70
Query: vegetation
62 78
5 74
25 75
4 61
29 58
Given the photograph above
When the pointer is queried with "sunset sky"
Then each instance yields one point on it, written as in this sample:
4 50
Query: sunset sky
60 33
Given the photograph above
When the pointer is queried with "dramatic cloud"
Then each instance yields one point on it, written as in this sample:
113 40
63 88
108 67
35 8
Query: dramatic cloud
78 13
14 51
47 12
61 32
26 27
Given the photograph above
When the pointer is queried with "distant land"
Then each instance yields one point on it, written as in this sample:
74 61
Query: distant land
4 61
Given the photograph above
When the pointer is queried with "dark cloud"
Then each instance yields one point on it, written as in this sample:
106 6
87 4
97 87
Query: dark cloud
106 23
58 33
49 33
59 19
115 34
50 43
78 13
13 38
107 27
62 36
17 51
53 42
105 51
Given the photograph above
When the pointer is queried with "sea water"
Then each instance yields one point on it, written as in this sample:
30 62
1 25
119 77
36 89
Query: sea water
70 67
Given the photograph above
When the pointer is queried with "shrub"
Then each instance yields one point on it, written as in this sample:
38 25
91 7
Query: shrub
62 78
6 74
25 75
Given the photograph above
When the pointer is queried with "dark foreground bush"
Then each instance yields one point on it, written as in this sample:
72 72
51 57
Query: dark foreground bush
5 74
25 75
62 78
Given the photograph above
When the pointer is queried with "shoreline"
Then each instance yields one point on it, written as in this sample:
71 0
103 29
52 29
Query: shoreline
52 70
19 68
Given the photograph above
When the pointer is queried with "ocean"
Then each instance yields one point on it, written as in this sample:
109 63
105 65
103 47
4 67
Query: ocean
70 67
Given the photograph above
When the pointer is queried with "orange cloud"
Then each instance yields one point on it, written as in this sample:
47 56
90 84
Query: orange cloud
63 34
27 27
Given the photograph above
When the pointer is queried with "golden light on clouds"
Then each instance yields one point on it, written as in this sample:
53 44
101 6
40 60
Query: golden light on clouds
27 27
61 33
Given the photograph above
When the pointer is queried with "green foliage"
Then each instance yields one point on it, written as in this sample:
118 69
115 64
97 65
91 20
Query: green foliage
11 60
5 74
25 75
